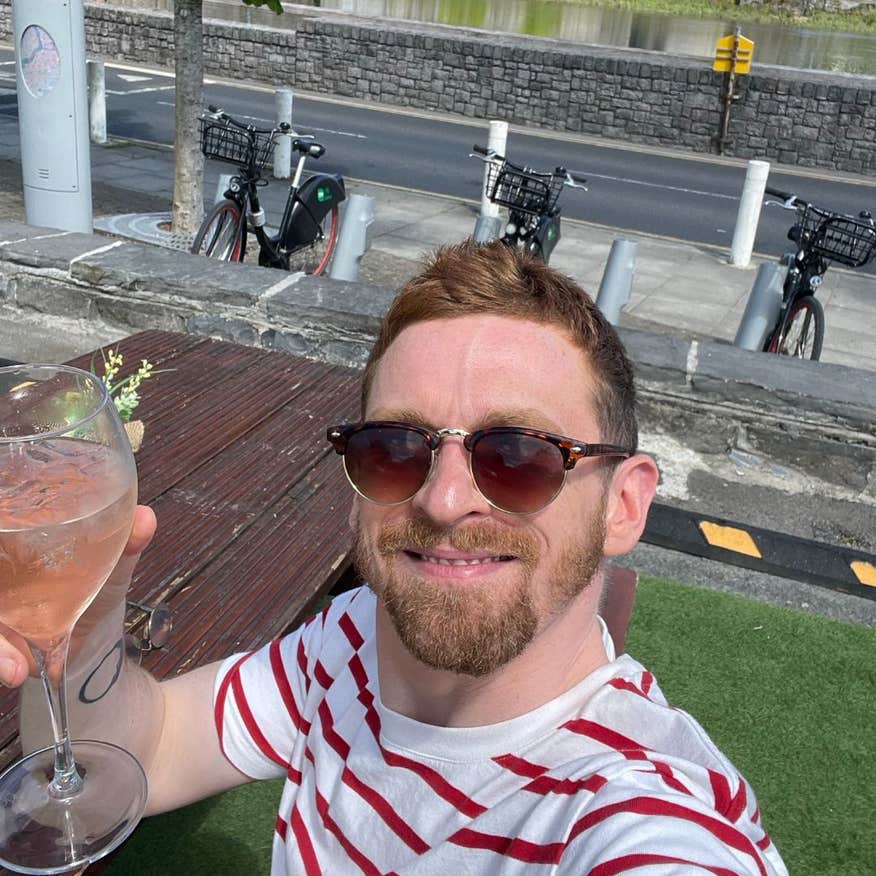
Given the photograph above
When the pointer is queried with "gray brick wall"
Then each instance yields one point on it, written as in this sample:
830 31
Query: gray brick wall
795 117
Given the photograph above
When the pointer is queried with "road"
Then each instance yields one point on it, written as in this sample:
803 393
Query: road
636 188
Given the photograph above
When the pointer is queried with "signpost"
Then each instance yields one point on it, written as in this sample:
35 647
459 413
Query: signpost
49 39
733 55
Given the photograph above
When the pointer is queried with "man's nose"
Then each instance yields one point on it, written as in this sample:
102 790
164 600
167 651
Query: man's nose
449 493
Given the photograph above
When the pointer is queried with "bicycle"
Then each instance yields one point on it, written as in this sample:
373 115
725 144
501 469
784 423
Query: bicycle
822 237
531 197
308 231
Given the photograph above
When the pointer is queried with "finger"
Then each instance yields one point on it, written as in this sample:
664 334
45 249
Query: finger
142 531
141 534
13 663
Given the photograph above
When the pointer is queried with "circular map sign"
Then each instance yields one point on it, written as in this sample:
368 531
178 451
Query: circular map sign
40 60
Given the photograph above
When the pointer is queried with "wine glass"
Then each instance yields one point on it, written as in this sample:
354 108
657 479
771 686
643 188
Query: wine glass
68 491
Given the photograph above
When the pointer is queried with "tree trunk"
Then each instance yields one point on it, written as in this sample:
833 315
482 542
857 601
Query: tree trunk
188 198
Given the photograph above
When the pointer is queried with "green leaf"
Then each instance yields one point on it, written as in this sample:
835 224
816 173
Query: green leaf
275 5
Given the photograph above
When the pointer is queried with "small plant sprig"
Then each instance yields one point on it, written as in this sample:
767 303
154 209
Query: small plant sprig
124 391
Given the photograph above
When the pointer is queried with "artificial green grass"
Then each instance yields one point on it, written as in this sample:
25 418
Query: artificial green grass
789 697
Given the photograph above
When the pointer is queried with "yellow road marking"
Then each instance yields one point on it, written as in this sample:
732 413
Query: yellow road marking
730 538
865 572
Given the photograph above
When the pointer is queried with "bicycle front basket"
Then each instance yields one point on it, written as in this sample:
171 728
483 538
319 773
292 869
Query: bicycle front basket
845 239
226 142
522 189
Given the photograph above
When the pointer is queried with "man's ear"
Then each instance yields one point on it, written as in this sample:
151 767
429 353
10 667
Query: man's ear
353 519
629 496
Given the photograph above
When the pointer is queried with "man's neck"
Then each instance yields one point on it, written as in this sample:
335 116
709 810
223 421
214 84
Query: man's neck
564 652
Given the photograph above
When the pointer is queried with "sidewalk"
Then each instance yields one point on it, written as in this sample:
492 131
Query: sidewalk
678 288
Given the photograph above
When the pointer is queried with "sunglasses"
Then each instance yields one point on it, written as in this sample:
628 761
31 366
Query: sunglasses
517 470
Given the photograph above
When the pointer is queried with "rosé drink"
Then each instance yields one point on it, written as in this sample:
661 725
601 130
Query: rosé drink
68 492
66 510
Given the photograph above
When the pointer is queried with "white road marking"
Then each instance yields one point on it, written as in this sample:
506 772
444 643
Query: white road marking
141 90
650 185
129 78
273 122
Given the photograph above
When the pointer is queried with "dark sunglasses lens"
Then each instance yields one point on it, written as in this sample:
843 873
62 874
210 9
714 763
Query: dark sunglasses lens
517 473
387 464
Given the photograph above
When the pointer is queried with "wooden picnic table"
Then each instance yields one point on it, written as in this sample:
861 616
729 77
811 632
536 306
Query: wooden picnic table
252 502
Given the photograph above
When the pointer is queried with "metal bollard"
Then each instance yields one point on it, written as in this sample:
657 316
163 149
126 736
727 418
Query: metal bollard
617 280
487 228
283 148
221 187
763 306
354 239
498 142
748 214
97 101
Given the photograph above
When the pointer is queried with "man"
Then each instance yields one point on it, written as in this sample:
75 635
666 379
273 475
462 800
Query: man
464 713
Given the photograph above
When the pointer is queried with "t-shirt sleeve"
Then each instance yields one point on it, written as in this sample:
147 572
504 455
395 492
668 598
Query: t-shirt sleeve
641 824
260 701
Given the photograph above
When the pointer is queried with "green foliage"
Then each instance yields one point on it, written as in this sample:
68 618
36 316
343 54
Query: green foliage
273 5
776 12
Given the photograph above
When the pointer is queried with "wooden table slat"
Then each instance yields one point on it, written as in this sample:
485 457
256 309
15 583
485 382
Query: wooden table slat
269 582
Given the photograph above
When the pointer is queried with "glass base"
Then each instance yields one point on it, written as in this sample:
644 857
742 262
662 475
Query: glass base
43 835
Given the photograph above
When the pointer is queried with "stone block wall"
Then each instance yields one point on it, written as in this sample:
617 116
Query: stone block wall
129 287
805 118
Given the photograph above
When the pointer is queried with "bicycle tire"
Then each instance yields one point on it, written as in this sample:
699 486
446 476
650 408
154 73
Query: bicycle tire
222 234
803 334
313 257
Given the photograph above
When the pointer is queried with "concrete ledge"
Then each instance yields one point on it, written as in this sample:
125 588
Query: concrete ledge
713 396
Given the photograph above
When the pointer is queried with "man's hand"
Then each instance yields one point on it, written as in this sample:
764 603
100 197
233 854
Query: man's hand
16 662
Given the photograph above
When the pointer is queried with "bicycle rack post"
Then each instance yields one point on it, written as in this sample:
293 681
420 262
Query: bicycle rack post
498 142
617 280
763 306
283 148
487 228
749 213
97 101
353 240
222 186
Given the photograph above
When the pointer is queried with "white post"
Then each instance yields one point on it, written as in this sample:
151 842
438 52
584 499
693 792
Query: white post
617 279
749 213
221 187
498 142
97 101
354 238
283 149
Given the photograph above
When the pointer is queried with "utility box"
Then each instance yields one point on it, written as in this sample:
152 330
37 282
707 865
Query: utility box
49 40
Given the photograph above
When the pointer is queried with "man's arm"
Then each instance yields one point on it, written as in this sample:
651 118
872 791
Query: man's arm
169 727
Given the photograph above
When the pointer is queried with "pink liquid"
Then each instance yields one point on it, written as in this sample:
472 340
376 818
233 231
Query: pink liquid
66 509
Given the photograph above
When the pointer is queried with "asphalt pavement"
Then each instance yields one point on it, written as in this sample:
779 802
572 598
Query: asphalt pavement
678 289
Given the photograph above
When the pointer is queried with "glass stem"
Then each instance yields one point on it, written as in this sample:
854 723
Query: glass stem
52 665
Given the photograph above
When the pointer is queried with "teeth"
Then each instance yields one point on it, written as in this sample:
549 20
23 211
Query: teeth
444 561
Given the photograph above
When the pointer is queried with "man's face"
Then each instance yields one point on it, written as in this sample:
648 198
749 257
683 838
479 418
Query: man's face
466 586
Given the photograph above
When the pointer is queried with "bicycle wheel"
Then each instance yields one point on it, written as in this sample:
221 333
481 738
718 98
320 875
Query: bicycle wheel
221 235
313 257
803 335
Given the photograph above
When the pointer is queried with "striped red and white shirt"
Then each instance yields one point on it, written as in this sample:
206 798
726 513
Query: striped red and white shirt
605 779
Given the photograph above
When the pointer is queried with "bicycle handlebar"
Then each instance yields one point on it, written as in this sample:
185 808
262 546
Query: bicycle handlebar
486 154
305 144
222 116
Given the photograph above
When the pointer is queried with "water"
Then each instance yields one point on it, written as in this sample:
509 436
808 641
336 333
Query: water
774 44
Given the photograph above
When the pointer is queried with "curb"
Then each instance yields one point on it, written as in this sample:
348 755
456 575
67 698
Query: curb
762 550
